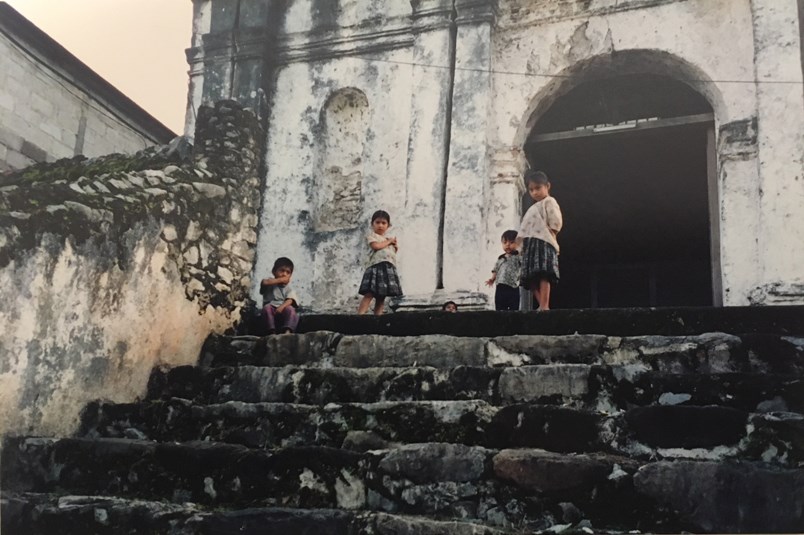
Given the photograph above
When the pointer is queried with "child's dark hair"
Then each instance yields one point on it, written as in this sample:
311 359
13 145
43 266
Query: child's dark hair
381 214
448 303
281 262
537 177
509 235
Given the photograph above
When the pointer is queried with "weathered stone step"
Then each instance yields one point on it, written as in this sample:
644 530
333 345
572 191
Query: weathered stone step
643 432
355 426
201 472
41 514
531 488
605 388
710 352
782 320
443 480
87 515
324 385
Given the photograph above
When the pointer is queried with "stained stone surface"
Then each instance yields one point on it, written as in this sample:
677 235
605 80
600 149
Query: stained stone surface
149 253
626 434
532 383
728 497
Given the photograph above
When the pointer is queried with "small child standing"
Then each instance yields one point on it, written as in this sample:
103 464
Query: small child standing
380 279
537 234
279 301
507 273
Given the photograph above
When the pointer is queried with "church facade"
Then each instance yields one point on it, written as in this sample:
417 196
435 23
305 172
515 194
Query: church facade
672 131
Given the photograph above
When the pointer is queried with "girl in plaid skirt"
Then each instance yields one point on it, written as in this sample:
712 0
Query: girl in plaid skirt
380 279
537 236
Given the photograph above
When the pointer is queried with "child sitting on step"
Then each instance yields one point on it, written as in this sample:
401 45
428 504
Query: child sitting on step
279 300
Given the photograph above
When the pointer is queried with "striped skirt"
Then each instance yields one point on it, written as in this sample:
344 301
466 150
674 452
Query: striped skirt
381 280
539 261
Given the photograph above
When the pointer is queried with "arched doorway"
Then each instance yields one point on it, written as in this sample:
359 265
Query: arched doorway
632 162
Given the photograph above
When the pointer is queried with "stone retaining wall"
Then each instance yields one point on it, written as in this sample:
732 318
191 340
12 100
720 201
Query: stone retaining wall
113 265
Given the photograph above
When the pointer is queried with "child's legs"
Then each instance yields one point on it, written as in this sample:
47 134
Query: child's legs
544 294
363 307
533 286
379 304
289 319
270 321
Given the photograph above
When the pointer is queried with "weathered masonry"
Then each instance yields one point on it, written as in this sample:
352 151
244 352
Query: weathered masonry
53 106
673 131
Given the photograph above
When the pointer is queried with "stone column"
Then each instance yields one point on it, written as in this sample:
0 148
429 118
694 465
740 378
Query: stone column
230 56
258 22
469 162
195 58
218 50
780 112
505 199
738 193
433 48
505 196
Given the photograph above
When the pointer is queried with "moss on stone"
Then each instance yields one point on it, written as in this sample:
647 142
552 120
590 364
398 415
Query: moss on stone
72 169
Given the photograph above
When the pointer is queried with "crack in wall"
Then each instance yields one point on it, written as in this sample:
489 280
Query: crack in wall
453 37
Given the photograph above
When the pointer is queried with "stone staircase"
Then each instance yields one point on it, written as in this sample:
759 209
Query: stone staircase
476 423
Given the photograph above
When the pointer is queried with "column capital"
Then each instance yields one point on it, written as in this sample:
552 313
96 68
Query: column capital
218 45
253 42
476 11
507 164
431 14
425 7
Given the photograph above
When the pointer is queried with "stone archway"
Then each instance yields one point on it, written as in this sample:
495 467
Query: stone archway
629 141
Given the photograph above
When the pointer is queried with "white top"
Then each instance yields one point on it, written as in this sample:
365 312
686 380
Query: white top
540 219
386 254
277 294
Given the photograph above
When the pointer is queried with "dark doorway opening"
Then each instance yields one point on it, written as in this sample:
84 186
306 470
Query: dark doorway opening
635 200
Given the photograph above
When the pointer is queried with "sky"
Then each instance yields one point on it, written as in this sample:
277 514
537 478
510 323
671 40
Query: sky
136 45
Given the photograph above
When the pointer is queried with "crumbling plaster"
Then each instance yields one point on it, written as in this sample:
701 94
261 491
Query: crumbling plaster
78 331
328 263
683 40
111 266
459 101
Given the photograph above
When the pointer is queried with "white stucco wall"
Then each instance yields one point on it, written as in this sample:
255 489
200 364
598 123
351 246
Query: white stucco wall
79 331
780 108
329 264
106 273
41 111
513 58
719 48
689 32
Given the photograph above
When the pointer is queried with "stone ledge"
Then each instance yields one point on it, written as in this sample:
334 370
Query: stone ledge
783 320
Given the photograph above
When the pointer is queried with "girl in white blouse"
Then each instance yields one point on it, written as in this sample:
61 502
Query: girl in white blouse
537 238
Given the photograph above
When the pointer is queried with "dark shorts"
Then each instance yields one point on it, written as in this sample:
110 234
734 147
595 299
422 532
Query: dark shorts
506 297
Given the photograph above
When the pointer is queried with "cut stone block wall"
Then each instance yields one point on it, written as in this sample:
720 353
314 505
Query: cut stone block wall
44 116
